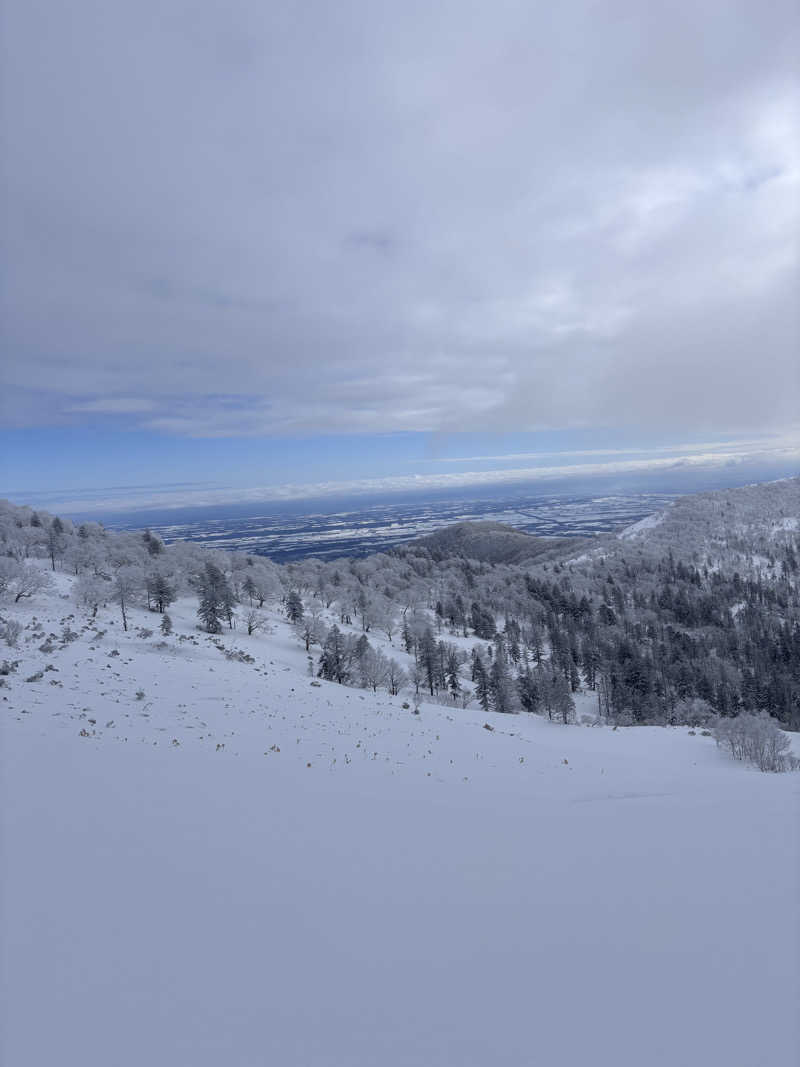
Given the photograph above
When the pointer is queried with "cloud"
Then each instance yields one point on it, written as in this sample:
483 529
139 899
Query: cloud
114 405
765 448
416 217
784 454
378 241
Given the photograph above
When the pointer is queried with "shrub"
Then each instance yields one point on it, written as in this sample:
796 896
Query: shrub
693 712
10 632
756 739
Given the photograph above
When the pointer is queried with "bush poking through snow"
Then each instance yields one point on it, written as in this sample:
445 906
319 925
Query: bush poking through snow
756 739
10 632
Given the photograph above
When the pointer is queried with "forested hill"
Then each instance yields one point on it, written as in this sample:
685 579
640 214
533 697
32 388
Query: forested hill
690 612
490 542
725 527
728 528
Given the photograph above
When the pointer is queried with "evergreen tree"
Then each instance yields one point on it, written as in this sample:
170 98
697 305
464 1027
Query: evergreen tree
529 696
501 690
55 540
428 657
452 675
216 599
160 591
481 683
334 660
294 606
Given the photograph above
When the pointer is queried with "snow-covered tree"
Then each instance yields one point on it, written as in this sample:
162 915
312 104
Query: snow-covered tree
90 592
127 586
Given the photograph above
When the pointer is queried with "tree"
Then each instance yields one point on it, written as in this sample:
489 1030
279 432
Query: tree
556 697
529 696
428 658
311 630
483 622
28 581
55 540
294 606
261 582
385 617
166 625
481 682
373 668
126 587
90 592
396 677
159 590
153 544
9 570
334 662
10 630
501 690
216 599
452 673
254 621
208 611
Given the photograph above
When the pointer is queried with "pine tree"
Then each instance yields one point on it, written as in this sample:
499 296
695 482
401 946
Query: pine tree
160 591
294 606
216 599
55 540
501 693
529 696
334 660
481 683
428 658
452 676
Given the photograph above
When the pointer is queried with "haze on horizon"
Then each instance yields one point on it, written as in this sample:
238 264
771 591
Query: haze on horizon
290 245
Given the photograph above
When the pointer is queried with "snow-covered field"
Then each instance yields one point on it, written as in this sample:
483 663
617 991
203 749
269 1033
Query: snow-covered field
245 866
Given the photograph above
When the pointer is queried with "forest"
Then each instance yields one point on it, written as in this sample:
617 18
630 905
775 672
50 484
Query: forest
689 616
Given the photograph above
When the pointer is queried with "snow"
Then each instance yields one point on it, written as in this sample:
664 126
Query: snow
649 522
181 887
785 525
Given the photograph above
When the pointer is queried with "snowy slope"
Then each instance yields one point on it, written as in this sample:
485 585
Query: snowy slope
716 522
241 867
649 522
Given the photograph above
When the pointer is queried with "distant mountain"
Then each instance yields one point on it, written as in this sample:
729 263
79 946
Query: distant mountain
492 542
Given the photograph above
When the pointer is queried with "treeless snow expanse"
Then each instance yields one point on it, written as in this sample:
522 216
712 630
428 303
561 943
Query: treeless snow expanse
426 892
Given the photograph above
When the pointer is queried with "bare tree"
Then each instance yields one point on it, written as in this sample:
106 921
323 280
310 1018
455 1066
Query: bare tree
28 581
126 589
254 621
90 592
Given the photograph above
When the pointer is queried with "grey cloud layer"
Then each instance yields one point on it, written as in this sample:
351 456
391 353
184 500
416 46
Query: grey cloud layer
251 218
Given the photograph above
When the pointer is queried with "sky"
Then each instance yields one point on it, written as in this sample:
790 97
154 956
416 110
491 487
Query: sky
282 244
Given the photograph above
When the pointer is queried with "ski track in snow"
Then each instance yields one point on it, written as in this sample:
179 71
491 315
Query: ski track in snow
244 868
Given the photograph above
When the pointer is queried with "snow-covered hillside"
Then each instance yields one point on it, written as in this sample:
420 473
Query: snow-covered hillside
211 857
724 525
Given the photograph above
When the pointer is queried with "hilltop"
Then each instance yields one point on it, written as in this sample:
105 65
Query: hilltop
491 542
